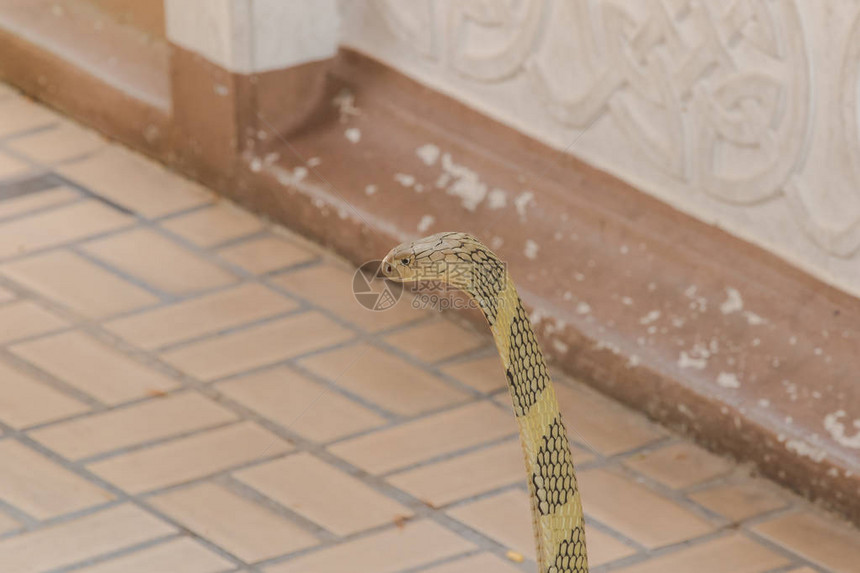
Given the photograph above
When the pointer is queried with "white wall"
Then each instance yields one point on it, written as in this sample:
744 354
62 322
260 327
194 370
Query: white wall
248 36
742 113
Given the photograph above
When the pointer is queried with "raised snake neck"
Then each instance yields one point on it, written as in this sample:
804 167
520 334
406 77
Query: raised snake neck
558 521
557 516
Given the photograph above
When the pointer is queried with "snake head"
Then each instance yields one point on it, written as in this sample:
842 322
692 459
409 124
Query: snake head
448 258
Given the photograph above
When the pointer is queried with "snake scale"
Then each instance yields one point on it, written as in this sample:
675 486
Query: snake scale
461 261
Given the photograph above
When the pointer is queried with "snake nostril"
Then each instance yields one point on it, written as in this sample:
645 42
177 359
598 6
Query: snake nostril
388 268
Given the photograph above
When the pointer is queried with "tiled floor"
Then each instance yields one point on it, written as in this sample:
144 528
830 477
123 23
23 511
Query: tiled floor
186 389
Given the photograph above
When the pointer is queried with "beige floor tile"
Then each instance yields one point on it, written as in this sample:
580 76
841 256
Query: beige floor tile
246 529
6 295
264 255
84 538
604 548
436 340
636 511
137 184
177 556
482 374
732 554
426 438
384 379
160 262
481 563
40 487
207 314
189 458
505 517
300 405
25 401
73 281
23 319
58 226
742 500
18 114
465 476
152 420
11 167
603 424
324 494
331 288
7 524
829 543
92 367
210 226
63 142
680 465
390 551
34 201
257 346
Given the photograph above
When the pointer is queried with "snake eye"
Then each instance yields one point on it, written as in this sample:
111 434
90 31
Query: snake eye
404 261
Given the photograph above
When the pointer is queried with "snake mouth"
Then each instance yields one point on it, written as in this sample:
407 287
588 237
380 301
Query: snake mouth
389 270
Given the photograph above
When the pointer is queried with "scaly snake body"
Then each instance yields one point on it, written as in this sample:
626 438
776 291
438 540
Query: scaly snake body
461 261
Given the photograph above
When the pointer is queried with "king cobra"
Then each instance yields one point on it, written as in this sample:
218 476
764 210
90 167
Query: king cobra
461 261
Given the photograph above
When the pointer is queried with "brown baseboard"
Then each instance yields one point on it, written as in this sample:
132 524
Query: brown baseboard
113 78
702 331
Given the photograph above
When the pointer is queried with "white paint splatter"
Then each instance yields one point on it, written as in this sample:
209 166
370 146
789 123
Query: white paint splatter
271 158
583 308
256 165
734 303
370 190
353 134
686 361
803 448
836 429
650 317
627 301
497 198
404 179
624 250
728 380
345 104
425 223
466 184
567 295
428 153
522 201
312 162
764 403
633 361
699 303
754 319
531 249
560 346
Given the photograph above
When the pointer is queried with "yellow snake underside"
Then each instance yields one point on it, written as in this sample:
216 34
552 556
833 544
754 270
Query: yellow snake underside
463 262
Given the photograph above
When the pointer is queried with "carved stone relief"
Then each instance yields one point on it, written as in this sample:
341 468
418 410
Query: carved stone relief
726 102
